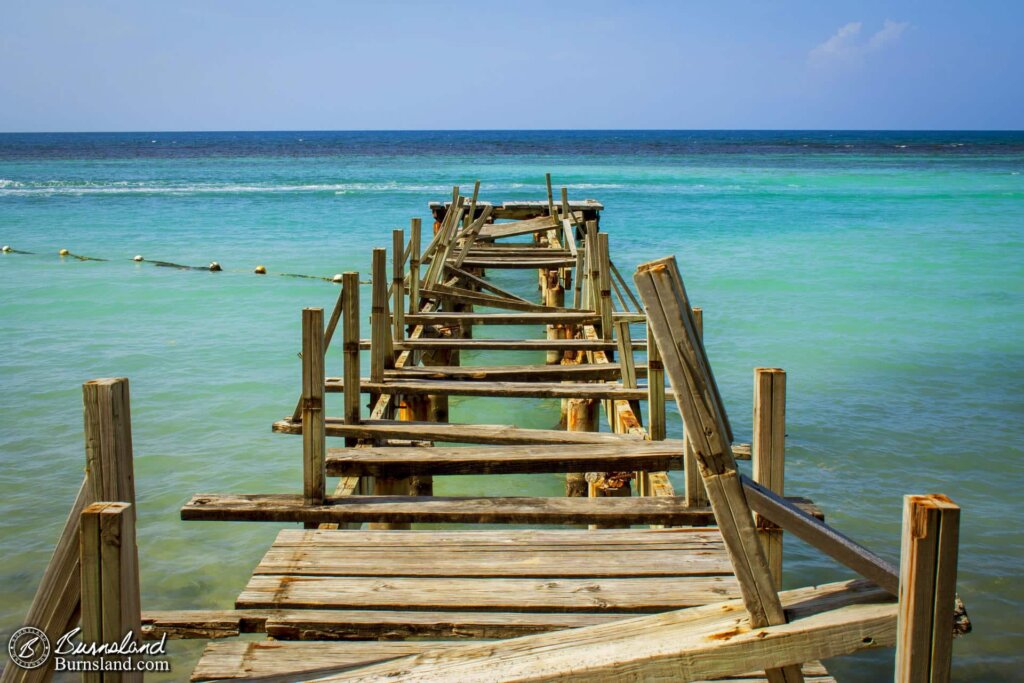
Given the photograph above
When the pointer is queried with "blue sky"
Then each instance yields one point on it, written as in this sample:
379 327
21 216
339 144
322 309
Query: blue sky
185 65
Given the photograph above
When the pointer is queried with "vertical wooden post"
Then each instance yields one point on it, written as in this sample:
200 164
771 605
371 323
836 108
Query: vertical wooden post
108 470
924 631
381 352
593 296
554 295
108 440
655 390
581 415
696 494
416 227
769 455
398 283
111 606
551 196
350 343
605 285
314 438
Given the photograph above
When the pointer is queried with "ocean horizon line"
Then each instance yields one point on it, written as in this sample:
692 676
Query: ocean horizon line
513 130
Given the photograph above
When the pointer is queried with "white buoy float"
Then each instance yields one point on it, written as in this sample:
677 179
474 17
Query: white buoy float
6 248
260 270
138 257
337 278
214 267
64 252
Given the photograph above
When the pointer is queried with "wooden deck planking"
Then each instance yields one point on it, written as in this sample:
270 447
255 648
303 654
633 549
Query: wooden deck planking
630 595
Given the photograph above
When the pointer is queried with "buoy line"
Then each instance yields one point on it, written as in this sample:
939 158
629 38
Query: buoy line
214 266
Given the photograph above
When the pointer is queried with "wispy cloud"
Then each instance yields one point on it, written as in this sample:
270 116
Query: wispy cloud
847 46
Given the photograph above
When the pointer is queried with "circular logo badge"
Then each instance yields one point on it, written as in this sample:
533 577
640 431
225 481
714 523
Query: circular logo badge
29 647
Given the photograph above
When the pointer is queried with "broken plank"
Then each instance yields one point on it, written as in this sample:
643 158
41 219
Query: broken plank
700 643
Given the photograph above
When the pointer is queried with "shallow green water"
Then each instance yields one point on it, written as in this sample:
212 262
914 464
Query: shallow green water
886 280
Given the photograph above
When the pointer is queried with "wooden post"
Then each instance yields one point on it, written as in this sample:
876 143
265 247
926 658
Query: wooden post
111 606
398 283
314 439
108 440
416 227
551 197
581 415
769 455
381 351
696 392
593 294
696 494
655 390
109 469
554 295
924 631
350 342
605 287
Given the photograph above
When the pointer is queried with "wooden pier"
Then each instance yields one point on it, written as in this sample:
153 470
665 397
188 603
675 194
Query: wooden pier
627 579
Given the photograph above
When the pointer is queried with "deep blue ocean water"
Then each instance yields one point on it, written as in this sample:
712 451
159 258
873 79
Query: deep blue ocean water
883 270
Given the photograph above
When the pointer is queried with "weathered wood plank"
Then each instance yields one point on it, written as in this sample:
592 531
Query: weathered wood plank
454 433
249 659
811 530
283 507
508 539
245 659
466 296
496 563
519 263
526 227
590 345
516 373
526 318
685 645
403 462
707 428
433 387
646 594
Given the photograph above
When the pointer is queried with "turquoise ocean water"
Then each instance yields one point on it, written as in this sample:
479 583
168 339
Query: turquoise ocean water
883 271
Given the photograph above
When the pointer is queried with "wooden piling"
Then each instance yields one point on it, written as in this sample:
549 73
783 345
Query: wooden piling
655 390
111 606
696 494
927 592
416 228
581 416
554 295
768 455
314 436
350 342
398 283
604 286
380 321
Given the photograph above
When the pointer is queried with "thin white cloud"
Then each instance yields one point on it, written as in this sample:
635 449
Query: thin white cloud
847 47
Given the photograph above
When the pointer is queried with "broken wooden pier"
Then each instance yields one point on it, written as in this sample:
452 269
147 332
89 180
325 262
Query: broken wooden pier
624 578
